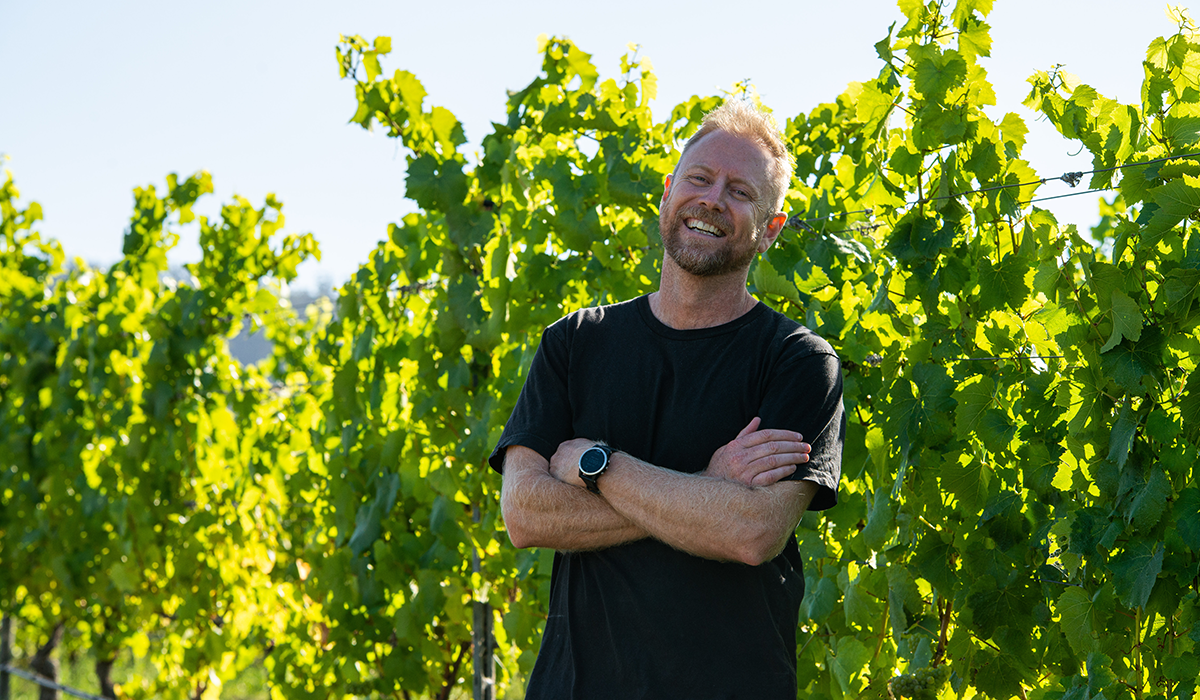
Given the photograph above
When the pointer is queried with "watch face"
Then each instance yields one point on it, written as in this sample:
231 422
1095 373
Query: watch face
592 461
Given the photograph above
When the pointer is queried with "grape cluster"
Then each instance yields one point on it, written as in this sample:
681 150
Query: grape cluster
921 685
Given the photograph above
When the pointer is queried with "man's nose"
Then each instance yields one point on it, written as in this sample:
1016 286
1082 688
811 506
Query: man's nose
714 196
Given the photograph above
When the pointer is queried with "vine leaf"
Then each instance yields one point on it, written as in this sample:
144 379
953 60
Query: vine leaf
974 396
1189 406
1127 320
768 281
1078 620
1187 517
852 655
1176 200
1121 440
1004 284
1135 572
968 482
1147 508
1130 361
879 527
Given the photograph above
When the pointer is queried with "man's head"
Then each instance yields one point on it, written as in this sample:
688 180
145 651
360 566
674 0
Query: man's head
721 204
740 118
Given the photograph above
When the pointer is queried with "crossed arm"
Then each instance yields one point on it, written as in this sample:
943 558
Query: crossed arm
735 510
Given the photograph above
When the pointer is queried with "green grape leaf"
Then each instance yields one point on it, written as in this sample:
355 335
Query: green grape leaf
1147 507
860 608
768 281
848 662
1135 571
1121 440
993 606
880 522
1181 288
902 594
975 39
872 104
936 72
931 559
968 482
883 47
816 280
1176 200
974 396
1004 284
1078 620
1099 675
1161 426
1181 132
1087 530
1130 361
1105 279
1185 668
820 600
1014 129
996 430
1186 510
1127 320
1189 405
997 675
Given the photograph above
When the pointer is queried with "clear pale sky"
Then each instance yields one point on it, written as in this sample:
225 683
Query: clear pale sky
97 98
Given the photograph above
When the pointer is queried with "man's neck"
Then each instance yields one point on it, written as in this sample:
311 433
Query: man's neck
686 302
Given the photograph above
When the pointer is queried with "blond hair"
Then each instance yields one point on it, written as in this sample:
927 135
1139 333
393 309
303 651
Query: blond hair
741 118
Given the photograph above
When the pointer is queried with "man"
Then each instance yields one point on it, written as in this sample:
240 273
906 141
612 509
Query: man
677 573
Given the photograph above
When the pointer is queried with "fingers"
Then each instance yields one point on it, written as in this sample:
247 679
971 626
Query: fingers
780 459
772 475
774 434
751 427
788 451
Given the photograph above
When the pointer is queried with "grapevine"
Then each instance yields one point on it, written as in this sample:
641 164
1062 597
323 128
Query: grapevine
1020 494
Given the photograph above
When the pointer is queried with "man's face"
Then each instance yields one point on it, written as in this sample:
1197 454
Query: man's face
714 215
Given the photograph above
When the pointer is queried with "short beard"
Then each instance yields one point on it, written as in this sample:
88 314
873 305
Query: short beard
704 264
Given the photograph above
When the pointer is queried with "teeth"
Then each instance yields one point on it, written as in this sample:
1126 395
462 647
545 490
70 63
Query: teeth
698 225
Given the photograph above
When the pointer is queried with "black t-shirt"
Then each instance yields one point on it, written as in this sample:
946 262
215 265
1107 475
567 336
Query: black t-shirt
644 620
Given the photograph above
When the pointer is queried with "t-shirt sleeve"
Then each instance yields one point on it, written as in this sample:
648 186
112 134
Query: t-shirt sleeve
542 417
805 395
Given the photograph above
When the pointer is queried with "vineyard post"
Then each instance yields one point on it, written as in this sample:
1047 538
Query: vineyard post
6 640
481 633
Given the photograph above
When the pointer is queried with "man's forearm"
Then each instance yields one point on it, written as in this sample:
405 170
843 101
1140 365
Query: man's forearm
709 517
541 511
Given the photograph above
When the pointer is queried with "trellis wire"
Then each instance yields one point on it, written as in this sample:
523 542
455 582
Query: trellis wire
1072 178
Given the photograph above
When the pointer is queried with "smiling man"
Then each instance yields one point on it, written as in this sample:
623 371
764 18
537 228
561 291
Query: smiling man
667 447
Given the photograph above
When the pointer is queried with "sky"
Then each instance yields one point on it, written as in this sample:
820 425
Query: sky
99 98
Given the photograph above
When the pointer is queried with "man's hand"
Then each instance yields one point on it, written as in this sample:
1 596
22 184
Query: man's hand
564 465
756 457
733 511
542 511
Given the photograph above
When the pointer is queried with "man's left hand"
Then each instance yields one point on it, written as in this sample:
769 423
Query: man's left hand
564 465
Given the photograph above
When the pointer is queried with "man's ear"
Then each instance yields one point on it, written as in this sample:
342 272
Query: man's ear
772 231
666 189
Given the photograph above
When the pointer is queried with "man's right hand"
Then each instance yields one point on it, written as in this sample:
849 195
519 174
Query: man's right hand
759 457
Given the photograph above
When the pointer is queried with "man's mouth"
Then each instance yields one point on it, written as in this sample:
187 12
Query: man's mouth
704 228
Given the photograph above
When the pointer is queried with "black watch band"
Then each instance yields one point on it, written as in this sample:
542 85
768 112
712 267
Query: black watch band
592 463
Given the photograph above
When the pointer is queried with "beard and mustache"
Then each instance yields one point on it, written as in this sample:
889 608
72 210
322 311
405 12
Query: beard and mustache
726 258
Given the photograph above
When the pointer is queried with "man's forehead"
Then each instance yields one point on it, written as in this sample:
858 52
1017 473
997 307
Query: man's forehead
721 150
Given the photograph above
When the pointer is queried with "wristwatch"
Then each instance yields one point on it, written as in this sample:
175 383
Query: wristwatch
592 464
